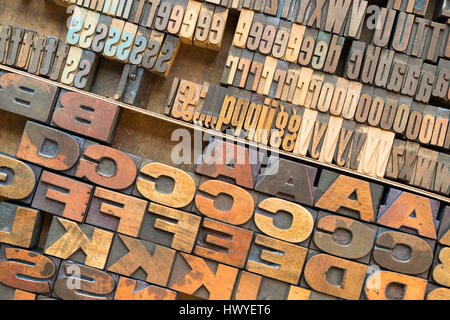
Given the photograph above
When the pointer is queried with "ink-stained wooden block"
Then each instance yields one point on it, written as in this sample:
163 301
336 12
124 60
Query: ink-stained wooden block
319 133
444 228
131 80
126 42
190 273
225 202
20 226
71 67
334 54
231 66
162 15
415 121
59 61
76 25
370 64
284 220
385 24
316 14
334 276
288 180
140 46
88 30
116 212
79 242
355 20
130 289
418 37
359 139
17 179
101 33
427 125
347 133
86 116
149 12
255 72
48 57
114 36
243 28
185 101
386 285
276 259
190 21
320 50
203 26
166 185
397 212
435 41
425 167
384 67
344 237
225 159
140 259
15 41
337 12
169 51
403 253
62 196
441 267
348 196
294 43
169 227
217 29
250 286
268 35
402 31
108 167
5 37
355 60
136 11
223 243
410 6
24 54
26 270
80 282
49 147
441 84
27 97
402 115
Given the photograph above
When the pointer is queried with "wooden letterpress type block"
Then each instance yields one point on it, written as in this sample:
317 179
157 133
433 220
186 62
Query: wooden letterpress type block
403 253
170 227
344 144
93 284
79 242
20 226
295 42
426 82
276 259
89 28
435 42
5 37
411 78
418 37
356 18
49 147
190 21
281 39
15 41
355 60
288 180
268 35
217 30
385 24
62 196
101 33
153 49
126 42
267 74
437 293
284 220
402 32
124 8
203 25
141 260
166 185
131 80
425 168
162 15
49 56
327 92
86 116
25 270
316 14
441 83
27 97
344 237
149 11
441 267
256 31
320 50
136 12
444 228
334 54
336 192
389 111
176 17
169 51
402 116
223 243
407 165
308 47
336 18
17 179
86 70
140 46
108 167
76 26
190 273
130 289
441 183
116 212
113 38
384 67
334 276
71 67
23 58
427 124
386 285
186 99
370 64
250 286
59 62
399 206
